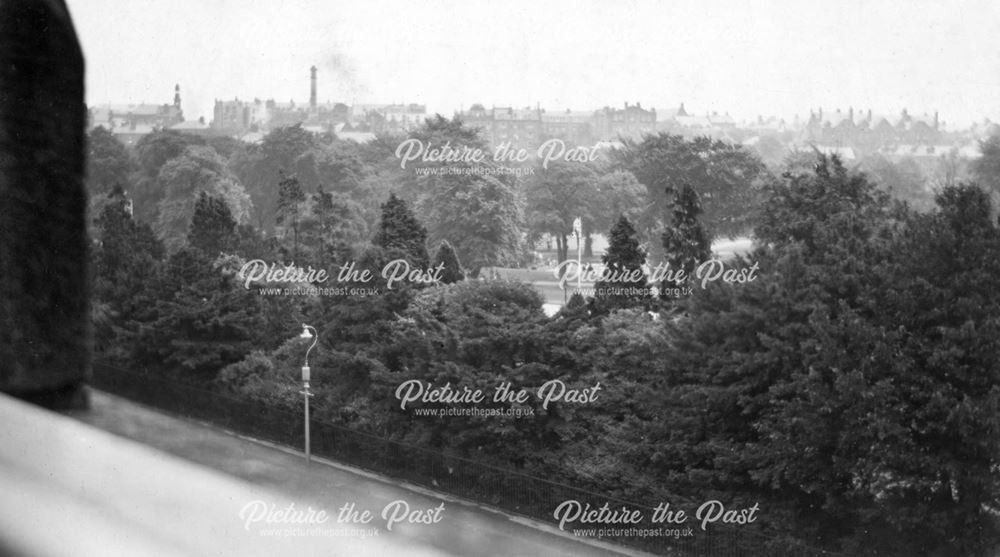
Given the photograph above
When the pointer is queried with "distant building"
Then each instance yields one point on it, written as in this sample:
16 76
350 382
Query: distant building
348 133
631 122
389 118
238 118
193 127
715 125
871 132
527 128
247 118
573 127
129 122
131 134
845 154
521 128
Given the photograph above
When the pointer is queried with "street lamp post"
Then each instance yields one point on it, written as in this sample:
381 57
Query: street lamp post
307 333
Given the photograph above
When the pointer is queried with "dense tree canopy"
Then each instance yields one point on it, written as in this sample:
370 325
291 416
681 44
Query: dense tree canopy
686 245
152 152
182 179
726 176
213 228
563 192
903 180
850 387
624 281
851 384
108 162
401 234
481 218
124 262
447 258
260 167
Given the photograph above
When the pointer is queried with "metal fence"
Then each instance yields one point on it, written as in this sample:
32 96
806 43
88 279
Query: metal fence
504 489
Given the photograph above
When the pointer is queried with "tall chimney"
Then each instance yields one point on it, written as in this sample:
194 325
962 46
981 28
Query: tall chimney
312 88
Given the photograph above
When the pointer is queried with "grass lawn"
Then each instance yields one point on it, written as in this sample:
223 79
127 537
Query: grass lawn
545 282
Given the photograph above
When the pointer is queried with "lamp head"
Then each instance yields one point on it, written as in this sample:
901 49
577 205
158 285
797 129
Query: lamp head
305 332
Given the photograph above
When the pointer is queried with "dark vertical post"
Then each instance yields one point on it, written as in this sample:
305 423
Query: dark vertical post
44 308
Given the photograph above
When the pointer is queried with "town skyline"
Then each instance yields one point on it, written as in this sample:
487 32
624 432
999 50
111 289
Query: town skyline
768 58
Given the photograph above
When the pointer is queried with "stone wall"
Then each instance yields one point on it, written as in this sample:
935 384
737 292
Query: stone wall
44 308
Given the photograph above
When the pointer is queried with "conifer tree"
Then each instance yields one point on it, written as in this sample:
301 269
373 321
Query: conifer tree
624 280
400 234
287 216
685 242
213 228
452 267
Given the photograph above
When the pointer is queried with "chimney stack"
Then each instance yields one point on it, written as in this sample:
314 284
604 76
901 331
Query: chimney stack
312 88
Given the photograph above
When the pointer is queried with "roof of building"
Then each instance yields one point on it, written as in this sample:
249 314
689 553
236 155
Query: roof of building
252 137
722 119
189 125
134 109
970 151
615 144
139 129
510 113
844 153
568 116
357 137
694 121
922 150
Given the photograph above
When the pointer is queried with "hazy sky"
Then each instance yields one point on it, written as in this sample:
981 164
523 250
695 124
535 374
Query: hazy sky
770 57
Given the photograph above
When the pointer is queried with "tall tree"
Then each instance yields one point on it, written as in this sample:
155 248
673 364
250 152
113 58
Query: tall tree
447 257
902 179
470 332
126 260
213 229
727 177
400 234
848 386
198 169
152 152
290 198
685 242
480 217
560 194
477 210
986 169
934 380
623 283
339 166
108 162
618 193
202 320
333 226
259 168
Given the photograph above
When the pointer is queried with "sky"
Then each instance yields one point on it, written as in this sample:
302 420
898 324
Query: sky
746 58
